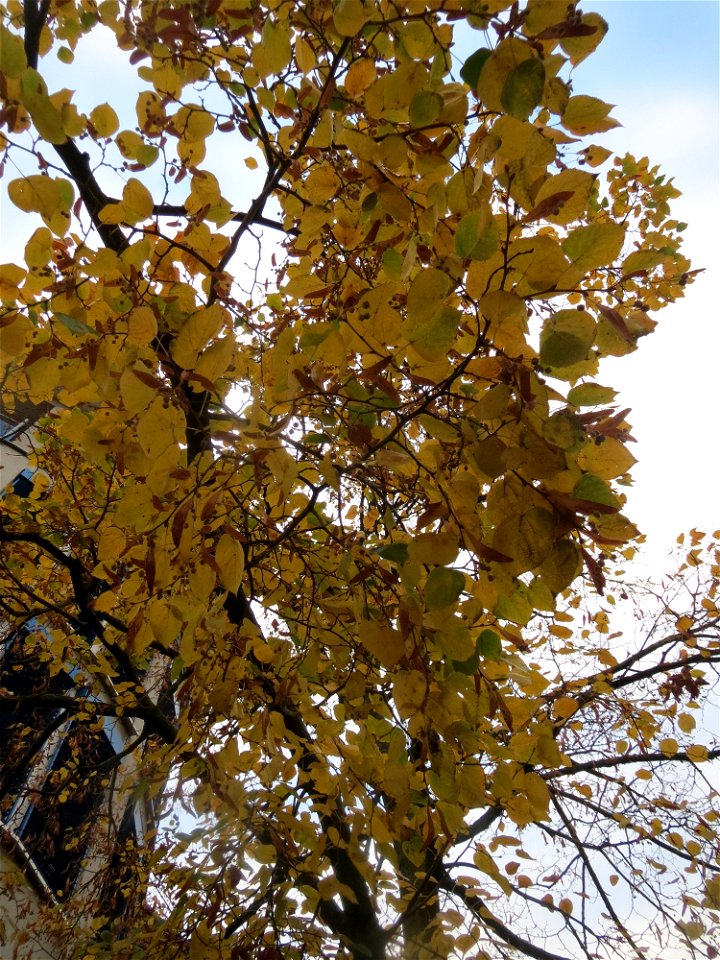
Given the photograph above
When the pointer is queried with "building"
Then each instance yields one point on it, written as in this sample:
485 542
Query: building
71 827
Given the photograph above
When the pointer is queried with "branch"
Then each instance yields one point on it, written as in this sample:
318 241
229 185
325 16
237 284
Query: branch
481 824
680 757
594 877
178 210
477 905
90 620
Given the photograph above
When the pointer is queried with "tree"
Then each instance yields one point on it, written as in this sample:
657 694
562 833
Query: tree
357 507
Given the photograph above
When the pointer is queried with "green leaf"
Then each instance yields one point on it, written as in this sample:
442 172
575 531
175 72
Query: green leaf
392 262
467 667
444 585
74 325
427 293
566 338
425 107
454 637
477 236
470 71
468 232
394 552
12 54
516 608
523 89
592 488
434 337
561 566
489 645
45 115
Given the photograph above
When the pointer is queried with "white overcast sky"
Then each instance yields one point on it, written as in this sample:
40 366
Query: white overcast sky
659 65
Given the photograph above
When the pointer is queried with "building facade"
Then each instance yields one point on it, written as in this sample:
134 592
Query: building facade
70 820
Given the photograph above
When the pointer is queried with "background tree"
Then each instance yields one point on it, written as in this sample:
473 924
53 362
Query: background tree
356 508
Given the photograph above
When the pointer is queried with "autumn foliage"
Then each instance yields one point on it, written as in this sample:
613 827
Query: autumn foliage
358 505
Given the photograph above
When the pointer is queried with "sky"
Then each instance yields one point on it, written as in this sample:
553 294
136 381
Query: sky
659 65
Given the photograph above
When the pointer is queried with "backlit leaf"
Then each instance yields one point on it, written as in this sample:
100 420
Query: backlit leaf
523 88
566 338
230 558
585 115
442 588
595 245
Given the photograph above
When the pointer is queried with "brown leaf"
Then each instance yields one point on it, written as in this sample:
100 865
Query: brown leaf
548 207
613 317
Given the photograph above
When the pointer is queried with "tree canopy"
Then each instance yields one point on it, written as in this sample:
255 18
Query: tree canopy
357 505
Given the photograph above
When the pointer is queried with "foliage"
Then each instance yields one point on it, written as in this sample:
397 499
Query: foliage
356 505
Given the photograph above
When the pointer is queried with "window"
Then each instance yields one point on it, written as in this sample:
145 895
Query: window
52 822
56 826
23 483
25 674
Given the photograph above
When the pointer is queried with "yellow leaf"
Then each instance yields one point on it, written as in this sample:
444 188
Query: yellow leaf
142 326
434 548
230 558
195 334
409 692
161 427
192 123
51 197
565 707
472 787
349 17
526 537
137 201
594 245
15 337
418 40
579 183
304 55
164 621
214 361
585 115
608 459
167 79
384 643
135 392
11 276
202 581
686 722
273 54
692 928
111 545
538 795
104 120
359 77
322 184
582 46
